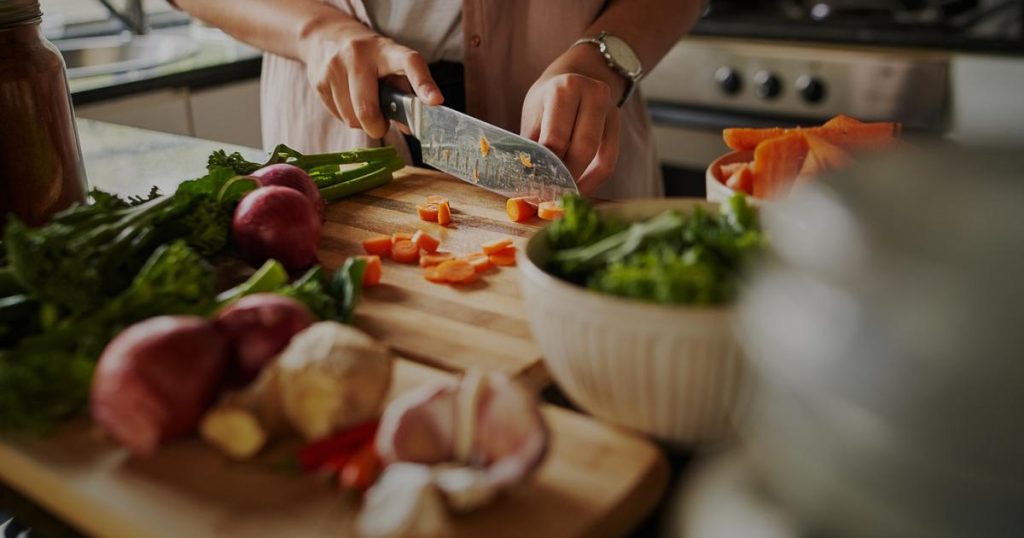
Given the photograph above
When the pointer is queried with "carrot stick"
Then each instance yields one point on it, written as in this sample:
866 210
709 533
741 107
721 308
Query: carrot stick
519 210
742 180
405 251
427 212
504 258
373 271
777 162
496 246
425 241
457 271
550 210
479 261
379 245
444 214
430 259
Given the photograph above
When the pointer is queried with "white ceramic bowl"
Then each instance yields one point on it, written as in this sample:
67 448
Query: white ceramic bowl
717 191
669 371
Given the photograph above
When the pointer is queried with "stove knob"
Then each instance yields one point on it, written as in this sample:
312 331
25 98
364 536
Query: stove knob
811 88
768 85
729 81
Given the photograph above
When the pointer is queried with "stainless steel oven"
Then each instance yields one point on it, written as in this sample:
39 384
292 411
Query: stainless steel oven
942 67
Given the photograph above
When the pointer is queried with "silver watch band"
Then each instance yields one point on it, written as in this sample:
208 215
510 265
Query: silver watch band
631 77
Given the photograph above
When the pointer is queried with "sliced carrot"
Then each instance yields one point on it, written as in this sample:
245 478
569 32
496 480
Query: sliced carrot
373 271
427 212
496 246
379 245
550 211
444 214
742 180
727 170
457 271
777 162
432 274
842 121
436 199
504 258
519 210
823 155
405 251
479 261
846 133
430 259
425 241
400 236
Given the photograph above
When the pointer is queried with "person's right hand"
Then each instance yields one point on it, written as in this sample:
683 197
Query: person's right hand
345 62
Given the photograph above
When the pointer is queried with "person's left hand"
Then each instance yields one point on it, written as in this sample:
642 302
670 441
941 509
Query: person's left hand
571 110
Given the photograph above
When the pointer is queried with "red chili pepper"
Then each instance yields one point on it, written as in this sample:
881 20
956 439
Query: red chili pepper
362 470
342 444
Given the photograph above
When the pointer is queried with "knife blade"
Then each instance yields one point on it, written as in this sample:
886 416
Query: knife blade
479 153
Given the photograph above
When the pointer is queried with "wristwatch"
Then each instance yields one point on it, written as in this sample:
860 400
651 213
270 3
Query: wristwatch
620 57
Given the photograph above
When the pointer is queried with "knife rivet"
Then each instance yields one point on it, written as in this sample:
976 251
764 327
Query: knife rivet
394 107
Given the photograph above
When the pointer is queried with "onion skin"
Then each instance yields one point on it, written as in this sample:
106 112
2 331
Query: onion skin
258 327
156 378
276 223
293 177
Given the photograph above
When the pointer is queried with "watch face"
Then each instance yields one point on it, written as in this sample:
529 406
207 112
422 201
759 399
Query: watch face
622 54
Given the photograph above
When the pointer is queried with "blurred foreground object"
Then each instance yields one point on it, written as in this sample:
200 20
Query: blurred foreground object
888 350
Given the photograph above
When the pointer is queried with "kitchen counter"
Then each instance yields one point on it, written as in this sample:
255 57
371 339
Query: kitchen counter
130 161
220 60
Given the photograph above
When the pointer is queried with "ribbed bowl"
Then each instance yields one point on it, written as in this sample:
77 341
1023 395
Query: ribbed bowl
671 372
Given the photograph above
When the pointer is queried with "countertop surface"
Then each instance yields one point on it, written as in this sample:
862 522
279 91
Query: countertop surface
219 60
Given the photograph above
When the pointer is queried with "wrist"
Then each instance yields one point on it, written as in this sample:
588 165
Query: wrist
588 61
323 29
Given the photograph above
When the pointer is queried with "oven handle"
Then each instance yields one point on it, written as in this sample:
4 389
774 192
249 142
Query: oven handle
666 114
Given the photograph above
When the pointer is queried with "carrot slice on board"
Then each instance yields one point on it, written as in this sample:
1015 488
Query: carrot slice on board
457 271
428 259
519 210
444 214
405 251
425 241
436 199
550 210
742 180
504 258
427 212
373 272
400 236
432 274
379 245
479 261
777 162
496 246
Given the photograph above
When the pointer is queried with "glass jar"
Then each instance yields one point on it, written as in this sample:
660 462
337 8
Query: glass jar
41 169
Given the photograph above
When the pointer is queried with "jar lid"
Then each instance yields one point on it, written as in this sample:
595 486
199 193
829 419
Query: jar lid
19 12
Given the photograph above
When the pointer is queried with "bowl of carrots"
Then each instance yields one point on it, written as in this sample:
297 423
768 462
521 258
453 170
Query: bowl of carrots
766 164
631 306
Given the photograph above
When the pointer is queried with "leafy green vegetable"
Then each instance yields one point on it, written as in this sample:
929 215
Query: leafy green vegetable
330 299
671 258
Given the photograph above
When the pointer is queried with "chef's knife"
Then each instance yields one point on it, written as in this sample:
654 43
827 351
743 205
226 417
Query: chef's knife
478 152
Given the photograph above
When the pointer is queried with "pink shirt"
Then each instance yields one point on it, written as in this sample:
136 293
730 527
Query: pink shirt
508 44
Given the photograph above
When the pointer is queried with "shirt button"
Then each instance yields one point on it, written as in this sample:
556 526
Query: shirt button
474 41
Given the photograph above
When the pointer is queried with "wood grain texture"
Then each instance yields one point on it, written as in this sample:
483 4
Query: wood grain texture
452 327
596 481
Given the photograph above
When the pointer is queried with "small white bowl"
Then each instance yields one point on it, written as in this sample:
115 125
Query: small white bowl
669 371
717 191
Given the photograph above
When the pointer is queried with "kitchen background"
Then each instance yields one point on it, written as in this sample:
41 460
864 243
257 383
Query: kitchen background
943 67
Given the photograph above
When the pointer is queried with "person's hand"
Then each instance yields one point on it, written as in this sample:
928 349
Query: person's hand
571 110
345 62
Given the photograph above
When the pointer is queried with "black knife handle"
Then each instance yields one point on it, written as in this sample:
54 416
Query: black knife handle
395 104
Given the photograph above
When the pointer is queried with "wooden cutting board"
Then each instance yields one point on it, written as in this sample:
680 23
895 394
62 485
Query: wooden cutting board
480 325
596 481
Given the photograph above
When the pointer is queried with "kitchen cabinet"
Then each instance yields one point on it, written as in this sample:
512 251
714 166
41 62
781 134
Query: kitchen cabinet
228 113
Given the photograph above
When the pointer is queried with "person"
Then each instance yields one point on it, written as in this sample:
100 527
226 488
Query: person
530 66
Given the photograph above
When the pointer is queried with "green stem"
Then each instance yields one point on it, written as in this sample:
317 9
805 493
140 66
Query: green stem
377 176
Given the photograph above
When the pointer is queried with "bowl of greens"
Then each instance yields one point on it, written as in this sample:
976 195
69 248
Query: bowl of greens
631 305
